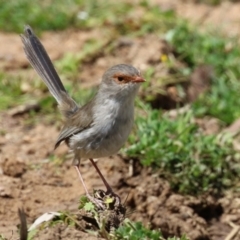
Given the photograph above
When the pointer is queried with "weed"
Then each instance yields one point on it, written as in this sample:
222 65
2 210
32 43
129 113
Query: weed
10 91
43 15
220 53
2 237
136 231
192 161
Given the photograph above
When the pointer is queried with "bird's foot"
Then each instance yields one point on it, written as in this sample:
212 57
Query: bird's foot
97 202
105 200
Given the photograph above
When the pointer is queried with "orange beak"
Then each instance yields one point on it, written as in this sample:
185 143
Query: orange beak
138 79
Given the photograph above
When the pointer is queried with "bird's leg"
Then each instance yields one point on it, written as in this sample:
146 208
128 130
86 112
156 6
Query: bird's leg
76 164
92 199
109 189
81 179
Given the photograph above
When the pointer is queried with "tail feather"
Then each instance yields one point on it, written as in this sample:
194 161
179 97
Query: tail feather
41 62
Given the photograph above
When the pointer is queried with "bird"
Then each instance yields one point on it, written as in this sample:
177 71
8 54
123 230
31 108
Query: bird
101 126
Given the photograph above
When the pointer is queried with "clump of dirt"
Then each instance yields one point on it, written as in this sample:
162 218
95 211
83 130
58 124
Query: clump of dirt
13 168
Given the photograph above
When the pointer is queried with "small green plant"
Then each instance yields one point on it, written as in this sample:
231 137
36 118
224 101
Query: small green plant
136 231
57 15
192 161
2 237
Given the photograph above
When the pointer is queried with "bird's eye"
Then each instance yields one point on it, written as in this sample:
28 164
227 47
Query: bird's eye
120 79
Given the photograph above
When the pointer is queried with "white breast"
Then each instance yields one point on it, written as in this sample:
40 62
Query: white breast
111 127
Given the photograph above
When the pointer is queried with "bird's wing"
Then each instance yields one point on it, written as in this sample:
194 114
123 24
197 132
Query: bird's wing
77 122
65 133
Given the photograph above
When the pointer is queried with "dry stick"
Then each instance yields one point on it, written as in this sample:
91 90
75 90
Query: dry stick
23 224
233 233
22 109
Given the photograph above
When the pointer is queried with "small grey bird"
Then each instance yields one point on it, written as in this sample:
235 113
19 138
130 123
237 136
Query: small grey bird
100 127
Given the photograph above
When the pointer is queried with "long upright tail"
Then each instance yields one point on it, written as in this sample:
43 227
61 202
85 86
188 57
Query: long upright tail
41 62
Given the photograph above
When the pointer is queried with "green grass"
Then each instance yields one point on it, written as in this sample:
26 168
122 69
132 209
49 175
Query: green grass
120 17
136 231
180 152
61 14
43 15
9 91
224 56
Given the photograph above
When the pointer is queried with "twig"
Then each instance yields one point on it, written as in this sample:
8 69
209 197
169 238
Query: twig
23 225
233 233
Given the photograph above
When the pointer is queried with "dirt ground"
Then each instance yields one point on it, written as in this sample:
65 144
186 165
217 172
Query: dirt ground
30 179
